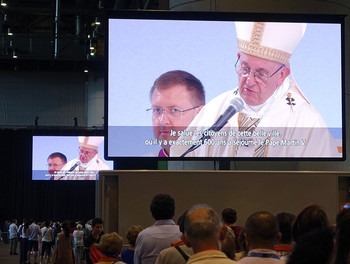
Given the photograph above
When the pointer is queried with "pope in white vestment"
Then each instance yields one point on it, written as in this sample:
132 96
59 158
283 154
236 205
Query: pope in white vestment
277 120
89 163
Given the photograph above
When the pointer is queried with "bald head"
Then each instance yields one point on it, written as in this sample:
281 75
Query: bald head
262 230
203 228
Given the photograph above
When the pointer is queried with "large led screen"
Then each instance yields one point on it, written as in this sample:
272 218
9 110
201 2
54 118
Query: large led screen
68 157
296 107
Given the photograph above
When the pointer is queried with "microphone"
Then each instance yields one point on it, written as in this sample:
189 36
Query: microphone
75 165
236 105
71 169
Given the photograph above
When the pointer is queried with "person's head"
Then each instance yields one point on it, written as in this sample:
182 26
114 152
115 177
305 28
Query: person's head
315 246
97 225
58 226
88 147
79 227
162 207
253 90
263 59
132 234
66 228
342 244
285 223
181 222
25 224
14 221
111 244
55 162
203 228
176 98
261 230
228 244
241 243
229 216
311 217
47 223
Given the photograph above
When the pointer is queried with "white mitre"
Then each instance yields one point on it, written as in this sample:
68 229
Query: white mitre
90 142
269 40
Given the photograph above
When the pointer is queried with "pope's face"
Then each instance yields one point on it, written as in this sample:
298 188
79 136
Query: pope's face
85 154
256 93
176 97
55 164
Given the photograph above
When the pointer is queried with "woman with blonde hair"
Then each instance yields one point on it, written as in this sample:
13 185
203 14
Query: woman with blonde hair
111 246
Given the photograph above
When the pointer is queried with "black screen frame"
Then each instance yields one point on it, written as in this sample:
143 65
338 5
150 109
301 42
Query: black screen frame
226 16
61 132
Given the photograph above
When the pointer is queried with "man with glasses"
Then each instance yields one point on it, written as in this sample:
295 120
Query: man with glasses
55 163
176 97
277 120
88 164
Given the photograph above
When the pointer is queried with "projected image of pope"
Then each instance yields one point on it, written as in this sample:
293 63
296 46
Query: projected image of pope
88 164
177 97
276 119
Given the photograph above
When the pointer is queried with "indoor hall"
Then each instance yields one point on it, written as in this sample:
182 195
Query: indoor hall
53 70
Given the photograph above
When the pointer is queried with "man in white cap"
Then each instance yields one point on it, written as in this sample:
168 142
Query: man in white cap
276 119
89 163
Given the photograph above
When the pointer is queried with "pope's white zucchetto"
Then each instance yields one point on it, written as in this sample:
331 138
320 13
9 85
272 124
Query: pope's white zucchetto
90 142
269 40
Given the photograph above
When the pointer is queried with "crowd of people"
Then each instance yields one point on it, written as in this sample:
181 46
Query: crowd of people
200 235
48 242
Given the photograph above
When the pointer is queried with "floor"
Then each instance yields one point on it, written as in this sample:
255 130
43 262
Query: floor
5 257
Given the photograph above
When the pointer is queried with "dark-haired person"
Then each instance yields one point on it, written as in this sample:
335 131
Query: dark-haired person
46 241
261 235
342 238
229 218
64 249
91 241
55 162
24 233
33 239
285 222
13 229
179 252
176 97
152 240
276 119
310 218
315 246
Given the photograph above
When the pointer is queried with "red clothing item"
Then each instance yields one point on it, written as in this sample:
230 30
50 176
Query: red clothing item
237 230
95 253
287 248
179 243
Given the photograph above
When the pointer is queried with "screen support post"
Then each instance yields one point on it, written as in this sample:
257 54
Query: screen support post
222 165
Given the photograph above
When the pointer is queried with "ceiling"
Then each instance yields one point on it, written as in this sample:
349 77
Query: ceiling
48 31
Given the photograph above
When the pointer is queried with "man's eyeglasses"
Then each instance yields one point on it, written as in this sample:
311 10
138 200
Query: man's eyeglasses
54 165
86 153
259 76
157 112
